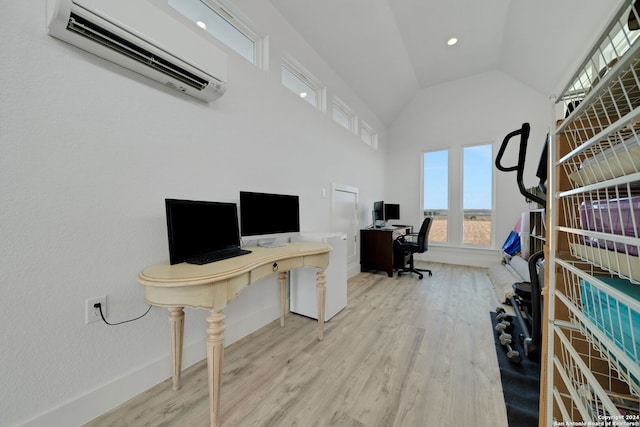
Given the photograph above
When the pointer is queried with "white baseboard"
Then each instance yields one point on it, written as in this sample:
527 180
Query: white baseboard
100 400
95 402
353 269
474 257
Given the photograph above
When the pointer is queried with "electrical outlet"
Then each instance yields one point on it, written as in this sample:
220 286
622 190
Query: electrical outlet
93 313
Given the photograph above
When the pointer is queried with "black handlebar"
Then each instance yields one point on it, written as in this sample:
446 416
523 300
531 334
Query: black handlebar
519 167
524 138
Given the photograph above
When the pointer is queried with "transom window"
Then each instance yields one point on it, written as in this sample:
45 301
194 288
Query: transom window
369 135
301 83
343 115
223 25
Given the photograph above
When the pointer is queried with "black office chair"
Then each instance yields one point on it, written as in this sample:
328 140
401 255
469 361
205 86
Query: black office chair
412 243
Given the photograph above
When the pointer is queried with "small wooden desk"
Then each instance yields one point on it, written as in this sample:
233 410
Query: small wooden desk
376 248
214 285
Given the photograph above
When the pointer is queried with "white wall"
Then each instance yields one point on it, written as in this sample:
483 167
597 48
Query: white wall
479 109
88 153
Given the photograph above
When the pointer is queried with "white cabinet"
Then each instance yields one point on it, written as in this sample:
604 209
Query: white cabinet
302 290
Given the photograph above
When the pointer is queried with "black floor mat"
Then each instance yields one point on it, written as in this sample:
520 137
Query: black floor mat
520 382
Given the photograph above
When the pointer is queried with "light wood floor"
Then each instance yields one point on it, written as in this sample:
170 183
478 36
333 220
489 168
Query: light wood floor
405 352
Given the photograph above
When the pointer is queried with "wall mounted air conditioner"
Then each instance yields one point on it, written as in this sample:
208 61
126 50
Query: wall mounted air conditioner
141 37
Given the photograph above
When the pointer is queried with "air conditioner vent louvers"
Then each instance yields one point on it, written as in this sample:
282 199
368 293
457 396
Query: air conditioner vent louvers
144 36
87 29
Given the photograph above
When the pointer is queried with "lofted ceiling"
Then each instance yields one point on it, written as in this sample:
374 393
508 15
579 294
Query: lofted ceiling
387 50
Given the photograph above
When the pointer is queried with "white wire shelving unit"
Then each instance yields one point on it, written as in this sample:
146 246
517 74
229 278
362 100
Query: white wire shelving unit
591 369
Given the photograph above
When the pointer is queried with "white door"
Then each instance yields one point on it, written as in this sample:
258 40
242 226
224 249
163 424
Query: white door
344 218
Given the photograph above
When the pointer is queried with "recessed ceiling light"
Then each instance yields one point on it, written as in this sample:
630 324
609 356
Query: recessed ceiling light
452 41
201 25
303 94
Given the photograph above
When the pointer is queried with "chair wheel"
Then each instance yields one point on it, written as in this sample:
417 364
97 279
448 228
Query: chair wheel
430 274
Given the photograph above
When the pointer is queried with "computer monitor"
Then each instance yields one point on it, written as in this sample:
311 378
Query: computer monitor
378 214
265 216
391 211
196 228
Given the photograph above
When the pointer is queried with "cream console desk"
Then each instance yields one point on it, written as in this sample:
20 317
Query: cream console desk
214 285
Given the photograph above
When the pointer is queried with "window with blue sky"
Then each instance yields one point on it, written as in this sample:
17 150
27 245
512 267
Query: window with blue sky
477 198
436 193
473 210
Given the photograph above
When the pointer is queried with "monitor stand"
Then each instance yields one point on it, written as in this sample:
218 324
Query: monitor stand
271 243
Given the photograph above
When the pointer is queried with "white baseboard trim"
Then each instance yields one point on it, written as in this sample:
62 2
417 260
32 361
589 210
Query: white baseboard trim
95 402
102 399
473 257
353 269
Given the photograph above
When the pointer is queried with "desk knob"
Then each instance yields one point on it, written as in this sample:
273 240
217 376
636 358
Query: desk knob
274 267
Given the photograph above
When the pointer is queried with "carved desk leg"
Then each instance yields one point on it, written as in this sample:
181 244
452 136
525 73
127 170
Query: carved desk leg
321 291
215 357
176 326
282 280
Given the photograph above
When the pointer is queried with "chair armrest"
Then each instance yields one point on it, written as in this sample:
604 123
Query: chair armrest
408 237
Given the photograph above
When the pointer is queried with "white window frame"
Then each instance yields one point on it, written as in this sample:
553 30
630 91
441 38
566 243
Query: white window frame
239 22
424 212
342 108
455 185
491 243
368 134
307 79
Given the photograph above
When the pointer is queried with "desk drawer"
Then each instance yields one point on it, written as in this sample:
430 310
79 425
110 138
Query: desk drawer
275 267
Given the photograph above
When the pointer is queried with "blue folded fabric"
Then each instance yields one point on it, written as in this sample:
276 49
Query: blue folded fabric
617 320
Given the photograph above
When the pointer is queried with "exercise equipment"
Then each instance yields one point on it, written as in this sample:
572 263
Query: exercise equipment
537 194
526 299
506 341
504 326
